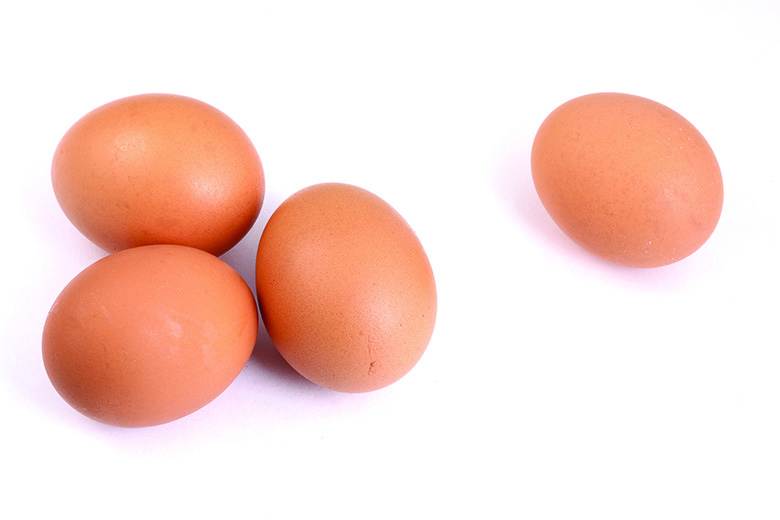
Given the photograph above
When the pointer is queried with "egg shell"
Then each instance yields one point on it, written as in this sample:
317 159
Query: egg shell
158 169
627 178
149 334
345 289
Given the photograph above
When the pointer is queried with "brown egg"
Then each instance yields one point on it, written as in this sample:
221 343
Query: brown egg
345 288
149 335
627 178
155 169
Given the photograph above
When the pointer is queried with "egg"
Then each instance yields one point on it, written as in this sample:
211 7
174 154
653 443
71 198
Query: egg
345 288
148 335
627 178
158 169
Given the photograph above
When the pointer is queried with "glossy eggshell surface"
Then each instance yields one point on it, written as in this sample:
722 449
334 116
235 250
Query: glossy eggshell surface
158 168
148 335
627 178
345 288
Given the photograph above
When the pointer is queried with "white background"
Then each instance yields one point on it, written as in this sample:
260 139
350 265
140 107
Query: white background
556 386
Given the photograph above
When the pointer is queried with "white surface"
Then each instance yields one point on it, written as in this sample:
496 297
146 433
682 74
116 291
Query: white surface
555 387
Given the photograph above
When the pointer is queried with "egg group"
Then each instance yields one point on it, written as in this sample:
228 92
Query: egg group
161 326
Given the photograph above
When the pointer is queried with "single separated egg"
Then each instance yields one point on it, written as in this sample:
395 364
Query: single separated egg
627 178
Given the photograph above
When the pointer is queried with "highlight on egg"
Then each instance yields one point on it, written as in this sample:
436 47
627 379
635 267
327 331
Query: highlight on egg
345 288
149 335
158 169
627 178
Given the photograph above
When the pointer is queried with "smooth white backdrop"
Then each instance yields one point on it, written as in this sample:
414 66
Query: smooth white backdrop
556 386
